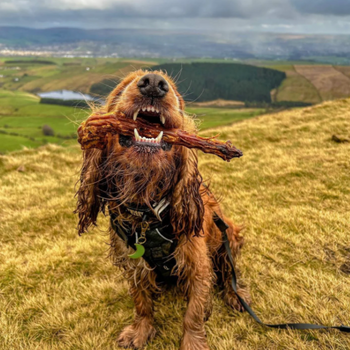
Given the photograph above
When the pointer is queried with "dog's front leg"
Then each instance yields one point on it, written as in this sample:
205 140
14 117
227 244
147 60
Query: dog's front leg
194 266
142 330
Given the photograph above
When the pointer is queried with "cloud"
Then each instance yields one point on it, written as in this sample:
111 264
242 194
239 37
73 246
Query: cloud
252 15
323 7
148 8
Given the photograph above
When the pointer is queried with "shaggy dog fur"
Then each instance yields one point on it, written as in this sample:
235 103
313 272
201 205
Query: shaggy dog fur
120 175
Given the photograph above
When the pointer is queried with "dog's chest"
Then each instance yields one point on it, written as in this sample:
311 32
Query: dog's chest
158 241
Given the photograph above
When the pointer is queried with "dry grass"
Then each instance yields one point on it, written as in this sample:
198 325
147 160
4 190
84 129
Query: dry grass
296 88
219 103
291 190
330 83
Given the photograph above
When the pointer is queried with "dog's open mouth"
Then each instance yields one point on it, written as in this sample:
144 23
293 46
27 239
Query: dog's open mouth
152 115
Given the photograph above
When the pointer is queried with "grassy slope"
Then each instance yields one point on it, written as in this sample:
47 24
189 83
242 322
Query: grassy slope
329 82
297 88
291 190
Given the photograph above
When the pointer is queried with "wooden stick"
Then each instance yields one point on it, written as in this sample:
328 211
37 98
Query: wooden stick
92 134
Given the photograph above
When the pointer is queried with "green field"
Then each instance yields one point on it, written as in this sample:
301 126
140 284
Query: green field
214 117
22 118
291 192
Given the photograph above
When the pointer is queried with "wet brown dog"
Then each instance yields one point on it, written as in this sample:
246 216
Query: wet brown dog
156 199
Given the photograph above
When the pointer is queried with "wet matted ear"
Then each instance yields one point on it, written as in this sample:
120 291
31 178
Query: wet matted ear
187 209
89 203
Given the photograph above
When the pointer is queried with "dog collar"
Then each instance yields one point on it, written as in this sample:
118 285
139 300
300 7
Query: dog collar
157 209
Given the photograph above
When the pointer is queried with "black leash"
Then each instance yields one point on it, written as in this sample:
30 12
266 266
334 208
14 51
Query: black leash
223 227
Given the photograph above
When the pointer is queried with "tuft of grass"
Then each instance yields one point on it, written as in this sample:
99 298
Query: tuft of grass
290 190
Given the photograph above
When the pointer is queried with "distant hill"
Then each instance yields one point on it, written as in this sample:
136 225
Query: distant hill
333 49
228 81
308 83
210 81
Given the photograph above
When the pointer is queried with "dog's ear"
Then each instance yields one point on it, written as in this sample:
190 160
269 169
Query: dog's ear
89 203
187 209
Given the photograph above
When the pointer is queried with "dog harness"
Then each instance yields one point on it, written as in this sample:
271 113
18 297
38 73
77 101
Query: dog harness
157 239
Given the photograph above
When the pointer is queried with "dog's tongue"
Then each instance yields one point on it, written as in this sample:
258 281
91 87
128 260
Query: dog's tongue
93 133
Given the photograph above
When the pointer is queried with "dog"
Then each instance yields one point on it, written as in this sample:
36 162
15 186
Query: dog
160 211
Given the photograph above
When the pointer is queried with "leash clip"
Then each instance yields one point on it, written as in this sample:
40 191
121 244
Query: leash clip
144 228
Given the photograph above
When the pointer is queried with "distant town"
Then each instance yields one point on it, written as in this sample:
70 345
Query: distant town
73 42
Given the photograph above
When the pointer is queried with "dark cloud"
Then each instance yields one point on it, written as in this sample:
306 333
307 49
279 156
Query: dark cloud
254 15
323 7
143 8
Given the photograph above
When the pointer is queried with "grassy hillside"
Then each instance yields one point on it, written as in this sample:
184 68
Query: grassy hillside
297 88
291 190
314 83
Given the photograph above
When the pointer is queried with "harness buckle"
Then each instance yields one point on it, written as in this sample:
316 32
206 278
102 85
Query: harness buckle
144 227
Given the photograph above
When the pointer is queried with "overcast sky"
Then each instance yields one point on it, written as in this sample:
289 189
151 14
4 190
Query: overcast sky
287 16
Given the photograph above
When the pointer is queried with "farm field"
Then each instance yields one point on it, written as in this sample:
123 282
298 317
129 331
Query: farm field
22 118
297 88
329 82
60 291
305 82
314 83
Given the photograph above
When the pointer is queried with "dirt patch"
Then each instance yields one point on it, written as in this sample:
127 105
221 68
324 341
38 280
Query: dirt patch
219 103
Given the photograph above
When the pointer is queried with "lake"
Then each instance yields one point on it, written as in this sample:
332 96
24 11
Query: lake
67 95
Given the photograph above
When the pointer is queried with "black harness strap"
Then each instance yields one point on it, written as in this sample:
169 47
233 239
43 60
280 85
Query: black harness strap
223 227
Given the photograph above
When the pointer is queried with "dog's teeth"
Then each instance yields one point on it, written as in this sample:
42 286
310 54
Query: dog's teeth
144 109
159 137
153 110
148 109
162 119
135 115
157 110
137 136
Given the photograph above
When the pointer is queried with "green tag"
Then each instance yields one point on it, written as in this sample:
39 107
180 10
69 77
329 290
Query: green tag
140 250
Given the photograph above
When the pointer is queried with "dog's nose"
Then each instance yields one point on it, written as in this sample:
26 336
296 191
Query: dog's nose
153 85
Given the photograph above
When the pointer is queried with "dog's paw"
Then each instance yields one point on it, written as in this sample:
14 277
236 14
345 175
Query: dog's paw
194 342
231 299
136 336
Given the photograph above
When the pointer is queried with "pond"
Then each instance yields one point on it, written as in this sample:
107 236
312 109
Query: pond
67 95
